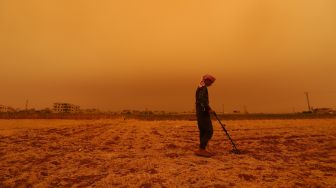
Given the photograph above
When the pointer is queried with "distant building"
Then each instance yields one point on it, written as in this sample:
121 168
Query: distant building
324 111
4 108
65 108
236 112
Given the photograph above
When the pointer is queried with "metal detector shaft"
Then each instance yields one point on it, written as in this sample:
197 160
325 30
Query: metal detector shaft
227 134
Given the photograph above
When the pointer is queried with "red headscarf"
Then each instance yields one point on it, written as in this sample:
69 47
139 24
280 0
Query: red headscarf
206 77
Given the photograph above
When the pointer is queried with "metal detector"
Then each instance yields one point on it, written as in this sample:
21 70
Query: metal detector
234 148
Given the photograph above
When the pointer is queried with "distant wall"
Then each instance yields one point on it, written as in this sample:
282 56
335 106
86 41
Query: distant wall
174 116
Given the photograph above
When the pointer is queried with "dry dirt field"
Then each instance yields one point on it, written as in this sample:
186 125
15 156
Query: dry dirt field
133 153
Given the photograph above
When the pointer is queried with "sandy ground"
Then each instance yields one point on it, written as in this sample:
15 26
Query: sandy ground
131 153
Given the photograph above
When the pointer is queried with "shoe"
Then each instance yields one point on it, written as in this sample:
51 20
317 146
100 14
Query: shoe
203 153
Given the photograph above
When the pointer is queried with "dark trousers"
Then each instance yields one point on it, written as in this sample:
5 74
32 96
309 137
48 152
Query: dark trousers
205 128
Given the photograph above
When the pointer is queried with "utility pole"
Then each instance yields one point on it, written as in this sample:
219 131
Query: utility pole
245 110
223 108
27 105
308 101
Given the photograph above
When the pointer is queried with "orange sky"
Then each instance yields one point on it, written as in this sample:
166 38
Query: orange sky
116 55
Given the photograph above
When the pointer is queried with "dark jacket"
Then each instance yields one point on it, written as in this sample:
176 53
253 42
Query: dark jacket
202 100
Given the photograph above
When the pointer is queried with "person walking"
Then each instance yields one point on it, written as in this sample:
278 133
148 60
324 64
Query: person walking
203 111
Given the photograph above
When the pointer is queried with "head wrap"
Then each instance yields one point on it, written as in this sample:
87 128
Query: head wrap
206 77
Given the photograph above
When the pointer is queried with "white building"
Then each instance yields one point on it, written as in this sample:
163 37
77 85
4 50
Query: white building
4 108
65 108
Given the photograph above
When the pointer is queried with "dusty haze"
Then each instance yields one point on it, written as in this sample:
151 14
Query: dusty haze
117 55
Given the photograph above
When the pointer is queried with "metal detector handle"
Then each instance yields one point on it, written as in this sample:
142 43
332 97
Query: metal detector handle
227 134
215 114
